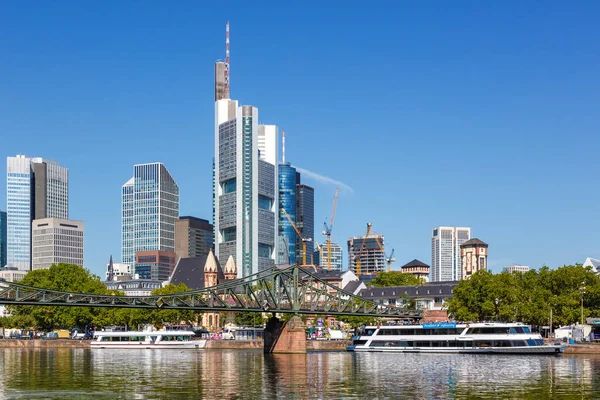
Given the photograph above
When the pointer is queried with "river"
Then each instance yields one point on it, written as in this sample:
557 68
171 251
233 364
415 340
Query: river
215 374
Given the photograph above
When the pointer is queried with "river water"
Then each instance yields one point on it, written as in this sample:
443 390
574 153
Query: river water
221 374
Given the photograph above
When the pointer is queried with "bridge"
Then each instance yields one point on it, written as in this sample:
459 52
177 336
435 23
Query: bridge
290 290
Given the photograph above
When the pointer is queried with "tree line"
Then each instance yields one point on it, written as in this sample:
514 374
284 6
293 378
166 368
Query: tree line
528 297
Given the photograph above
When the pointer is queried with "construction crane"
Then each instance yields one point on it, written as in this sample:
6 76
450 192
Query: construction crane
390 260
328 228
300 235
357 256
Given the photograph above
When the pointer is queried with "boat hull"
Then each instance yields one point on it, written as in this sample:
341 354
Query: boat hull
547 350
189 345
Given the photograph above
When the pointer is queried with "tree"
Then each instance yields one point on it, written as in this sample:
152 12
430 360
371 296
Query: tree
249 318
159 317
395 278
67 278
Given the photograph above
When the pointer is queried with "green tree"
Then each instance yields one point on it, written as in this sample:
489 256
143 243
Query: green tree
66 278
249 318
395 278
160 317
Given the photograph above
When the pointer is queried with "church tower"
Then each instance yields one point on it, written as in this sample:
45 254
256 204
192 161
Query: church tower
230 269
210 270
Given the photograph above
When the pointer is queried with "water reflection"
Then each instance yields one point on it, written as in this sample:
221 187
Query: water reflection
158 374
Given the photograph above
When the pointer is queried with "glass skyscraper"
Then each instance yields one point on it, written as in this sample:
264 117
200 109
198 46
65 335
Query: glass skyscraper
305 219
2 239
287 202
446 262
150 207
36 188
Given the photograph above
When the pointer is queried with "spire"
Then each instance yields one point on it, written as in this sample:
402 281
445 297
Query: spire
230 268
211 262
111 272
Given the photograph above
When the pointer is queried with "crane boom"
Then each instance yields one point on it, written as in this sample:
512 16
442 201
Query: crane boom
299 234
328 228
362 247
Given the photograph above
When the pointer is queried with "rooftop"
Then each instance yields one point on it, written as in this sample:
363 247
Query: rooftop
474 242
415 263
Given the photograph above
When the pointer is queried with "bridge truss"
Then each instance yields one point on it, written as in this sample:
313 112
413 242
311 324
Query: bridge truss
290 290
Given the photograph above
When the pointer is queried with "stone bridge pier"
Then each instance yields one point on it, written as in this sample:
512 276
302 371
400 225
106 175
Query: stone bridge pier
285 337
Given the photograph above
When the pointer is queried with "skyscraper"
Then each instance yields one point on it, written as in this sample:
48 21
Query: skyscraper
287 202
246 184
36 188
445 252
370 251
150 206
2 239
305 219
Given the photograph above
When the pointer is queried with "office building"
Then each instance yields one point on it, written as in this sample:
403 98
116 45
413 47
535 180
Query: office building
305 219
369 252
37 188
473 254
150 207
154 264
11 274
118 271
445 252
320 256
517 268
246 198
287 202
193 237
55 241
2 239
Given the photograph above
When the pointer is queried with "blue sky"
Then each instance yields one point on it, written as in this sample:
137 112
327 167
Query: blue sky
471 113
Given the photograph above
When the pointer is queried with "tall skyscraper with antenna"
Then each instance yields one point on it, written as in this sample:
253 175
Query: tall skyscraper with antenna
245 198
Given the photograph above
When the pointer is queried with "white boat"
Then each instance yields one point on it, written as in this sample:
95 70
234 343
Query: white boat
450 337
161 339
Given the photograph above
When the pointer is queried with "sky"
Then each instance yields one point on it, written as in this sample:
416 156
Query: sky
468 113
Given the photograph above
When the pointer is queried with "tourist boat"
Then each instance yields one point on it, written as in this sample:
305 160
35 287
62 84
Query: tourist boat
163 339
450 337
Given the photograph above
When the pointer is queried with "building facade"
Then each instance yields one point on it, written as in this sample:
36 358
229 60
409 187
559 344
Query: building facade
369 252
11 274
517 268
55 241
2 239
193 237
305 219
418 269
320 256
36 188
246 195
154 264
287 202
118 271
150 207
445 253
134 287
473 253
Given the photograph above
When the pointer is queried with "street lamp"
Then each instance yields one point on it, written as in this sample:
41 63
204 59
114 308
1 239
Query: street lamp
582 291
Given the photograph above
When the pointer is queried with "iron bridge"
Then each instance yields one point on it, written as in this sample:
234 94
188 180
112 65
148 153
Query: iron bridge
290 290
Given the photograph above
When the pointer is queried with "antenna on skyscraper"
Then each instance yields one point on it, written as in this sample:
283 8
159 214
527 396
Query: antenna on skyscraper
283 147
227 55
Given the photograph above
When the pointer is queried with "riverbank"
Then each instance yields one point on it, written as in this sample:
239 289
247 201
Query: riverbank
583 349
311 345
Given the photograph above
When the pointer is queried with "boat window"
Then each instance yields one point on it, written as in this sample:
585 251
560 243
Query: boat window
531 342
490 330
359 342
526 329
369 332
518 343
483 343
518 329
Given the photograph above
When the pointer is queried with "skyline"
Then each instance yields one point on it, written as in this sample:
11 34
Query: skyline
436 84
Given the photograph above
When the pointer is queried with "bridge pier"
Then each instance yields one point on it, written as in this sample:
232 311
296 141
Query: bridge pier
285 337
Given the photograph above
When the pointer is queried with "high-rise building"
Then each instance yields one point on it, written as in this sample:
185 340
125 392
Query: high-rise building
287 202
193 237
246 200
55 241
2 239
516 268
305 219
370 251
445 252
150 207
320 256
36 188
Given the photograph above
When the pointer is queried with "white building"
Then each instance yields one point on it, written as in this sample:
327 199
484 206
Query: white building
12 274
36 188
516 268
245 187
120 271
445 253
56 240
